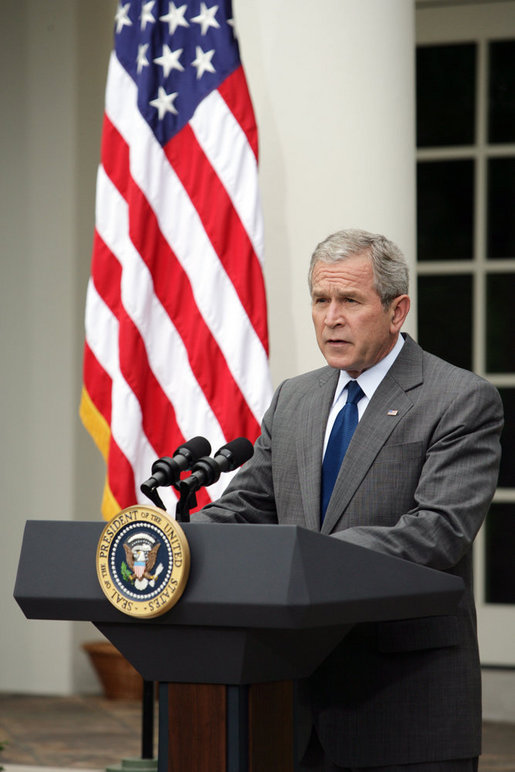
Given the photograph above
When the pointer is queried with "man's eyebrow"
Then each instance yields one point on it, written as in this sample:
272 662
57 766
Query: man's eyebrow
340 293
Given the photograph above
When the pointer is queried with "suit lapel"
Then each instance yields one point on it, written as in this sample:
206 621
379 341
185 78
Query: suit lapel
311 424
387 407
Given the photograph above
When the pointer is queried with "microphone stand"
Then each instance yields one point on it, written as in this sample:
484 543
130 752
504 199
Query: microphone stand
186 502
155 498
149 695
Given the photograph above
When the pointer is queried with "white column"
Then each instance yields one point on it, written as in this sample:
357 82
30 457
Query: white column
333 89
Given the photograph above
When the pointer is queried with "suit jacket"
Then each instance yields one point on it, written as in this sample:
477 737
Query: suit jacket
416 482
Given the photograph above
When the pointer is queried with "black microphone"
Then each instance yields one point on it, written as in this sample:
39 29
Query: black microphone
166 470
207 471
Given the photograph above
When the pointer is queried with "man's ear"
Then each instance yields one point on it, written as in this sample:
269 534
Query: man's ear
399 311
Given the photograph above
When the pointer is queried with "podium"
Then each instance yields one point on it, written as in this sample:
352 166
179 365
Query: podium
263 607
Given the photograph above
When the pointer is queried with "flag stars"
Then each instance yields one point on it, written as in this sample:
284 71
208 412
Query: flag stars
206 18
164 103
175 17
141 59
169 60
232 25
203 61
146 14
122 17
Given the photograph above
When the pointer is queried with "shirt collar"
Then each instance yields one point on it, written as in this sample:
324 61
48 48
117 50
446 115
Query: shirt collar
370 379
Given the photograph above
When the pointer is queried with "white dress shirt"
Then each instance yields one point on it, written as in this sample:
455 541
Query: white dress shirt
369 380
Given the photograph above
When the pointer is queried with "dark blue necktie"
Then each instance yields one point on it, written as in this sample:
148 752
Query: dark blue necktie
341 434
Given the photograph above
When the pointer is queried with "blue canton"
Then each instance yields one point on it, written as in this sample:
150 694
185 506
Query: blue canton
176 55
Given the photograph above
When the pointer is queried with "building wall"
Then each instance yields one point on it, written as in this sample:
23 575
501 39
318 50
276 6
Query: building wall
333 93
56 55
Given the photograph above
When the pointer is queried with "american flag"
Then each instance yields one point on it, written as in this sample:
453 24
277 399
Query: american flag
176 326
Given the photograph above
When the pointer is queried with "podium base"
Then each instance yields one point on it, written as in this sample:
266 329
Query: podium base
243 728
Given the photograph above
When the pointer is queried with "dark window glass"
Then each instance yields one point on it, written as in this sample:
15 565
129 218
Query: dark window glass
507 470
445 317
501 207
500 549
501 91
500 323
445 200
446 91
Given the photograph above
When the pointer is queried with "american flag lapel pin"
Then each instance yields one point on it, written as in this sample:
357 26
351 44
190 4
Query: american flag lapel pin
392 412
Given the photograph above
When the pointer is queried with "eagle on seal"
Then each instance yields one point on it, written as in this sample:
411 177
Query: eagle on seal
141 562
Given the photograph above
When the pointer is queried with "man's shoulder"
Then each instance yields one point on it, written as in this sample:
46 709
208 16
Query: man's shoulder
311 379
315 384
441 368
438 373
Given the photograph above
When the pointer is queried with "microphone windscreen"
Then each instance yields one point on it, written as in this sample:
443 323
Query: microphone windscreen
197 446
236 452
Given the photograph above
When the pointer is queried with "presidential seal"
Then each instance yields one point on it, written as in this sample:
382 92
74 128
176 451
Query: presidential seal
143 561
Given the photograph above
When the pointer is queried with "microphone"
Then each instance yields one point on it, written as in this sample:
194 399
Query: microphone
166 470
207 471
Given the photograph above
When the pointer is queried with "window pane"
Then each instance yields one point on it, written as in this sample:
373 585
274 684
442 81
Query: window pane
501 207
500 549
501 92
507 471
445 199
445 317
446 90
500 323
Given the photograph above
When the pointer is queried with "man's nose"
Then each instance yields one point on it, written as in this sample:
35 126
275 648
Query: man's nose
334 315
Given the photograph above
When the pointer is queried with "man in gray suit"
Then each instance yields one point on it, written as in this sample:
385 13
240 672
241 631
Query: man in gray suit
416 481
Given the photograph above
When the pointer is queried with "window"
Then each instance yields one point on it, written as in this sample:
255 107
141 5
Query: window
466 243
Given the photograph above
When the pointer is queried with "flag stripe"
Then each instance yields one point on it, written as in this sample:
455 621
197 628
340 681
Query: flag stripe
158 416
233 159
227 234
141 380
120 475
235 93
231 410
97 382
126 445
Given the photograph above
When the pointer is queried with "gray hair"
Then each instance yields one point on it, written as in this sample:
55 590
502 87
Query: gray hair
391 274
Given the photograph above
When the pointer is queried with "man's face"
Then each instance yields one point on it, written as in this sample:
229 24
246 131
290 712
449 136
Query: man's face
353 330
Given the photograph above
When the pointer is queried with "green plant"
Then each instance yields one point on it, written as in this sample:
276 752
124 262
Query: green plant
126 574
